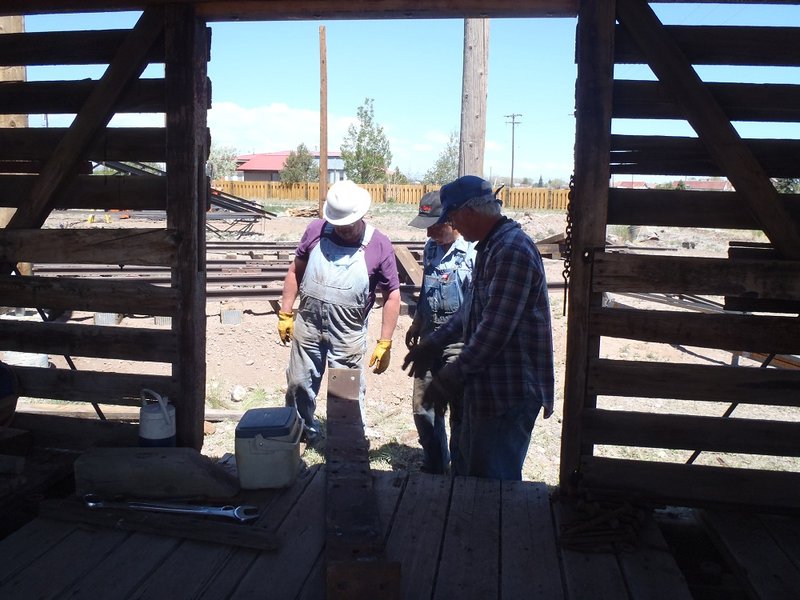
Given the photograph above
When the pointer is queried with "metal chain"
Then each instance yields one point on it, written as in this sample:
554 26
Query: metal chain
567 255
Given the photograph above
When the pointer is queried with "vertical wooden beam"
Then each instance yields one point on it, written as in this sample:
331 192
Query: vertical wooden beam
323 118
473 97
712 125
186 47
593 95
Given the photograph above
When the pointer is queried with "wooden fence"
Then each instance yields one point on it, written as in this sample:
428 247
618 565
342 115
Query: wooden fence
516 198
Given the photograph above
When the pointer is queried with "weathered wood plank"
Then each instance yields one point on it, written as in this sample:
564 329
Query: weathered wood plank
186 56
144 144
786 533
66 47
713 126
651 572
528 554
740 101
588 209
144 192
747 385
588 575
618 272
686 208
689 485
408 265
662 155
101 295
128 64
71 339
726 332
714 45
691 432
121 571
473 529
54 97
752 550
416 536
91 386
82 550
151 247
26 545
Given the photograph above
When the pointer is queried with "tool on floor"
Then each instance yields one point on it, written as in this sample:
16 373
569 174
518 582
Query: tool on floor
241 513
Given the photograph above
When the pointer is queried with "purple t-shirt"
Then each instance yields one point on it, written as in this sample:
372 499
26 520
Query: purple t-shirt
379 255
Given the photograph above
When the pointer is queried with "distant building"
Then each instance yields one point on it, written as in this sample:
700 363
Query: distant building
705 185
268 166
630 185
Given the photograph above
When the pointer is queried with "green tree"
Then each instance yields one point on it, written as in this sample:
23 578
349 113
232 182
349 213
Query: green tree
540 183
221 161
445 169
299 166
787 186
365 149
397 177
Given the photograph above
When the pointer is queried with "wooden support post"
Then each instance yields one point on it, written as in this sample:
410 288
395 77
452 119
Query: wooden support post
595 49
186 46
473 97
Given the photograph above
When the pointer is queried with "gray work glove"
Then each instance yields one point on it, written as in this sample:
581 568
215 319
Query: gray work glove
412 335
446 384
420 358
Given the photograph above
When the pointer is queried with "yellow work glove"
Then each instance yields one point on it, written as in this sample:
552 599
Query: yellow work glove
381 355
285 326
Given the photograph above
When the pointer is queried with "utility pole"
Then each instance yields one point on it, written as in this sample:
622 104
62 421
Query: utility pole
323 118
513 121
473 97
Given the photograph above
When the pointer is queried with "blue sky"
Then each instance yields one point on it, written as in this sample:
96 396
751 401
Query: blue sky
265 80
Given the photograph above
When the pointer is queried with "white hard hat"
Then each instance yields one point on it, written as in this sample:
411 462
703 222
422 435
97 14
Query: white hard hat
346 203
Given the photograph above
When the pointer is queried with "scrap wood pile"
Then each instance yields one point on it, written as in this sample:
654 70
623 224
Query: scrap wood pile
303 211
589 526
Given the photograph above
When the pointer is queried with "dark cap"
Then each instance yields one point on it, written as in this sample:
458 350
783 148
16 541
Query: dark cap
457 193
430 209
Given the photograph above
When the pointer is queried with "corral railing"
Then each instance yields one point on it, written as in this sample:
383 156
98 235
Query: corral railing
516 198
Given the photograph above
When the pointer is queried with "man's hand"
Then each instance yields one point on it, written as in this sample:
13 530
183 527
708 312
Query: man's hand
446 384
285 326
421 358
412 335
381 356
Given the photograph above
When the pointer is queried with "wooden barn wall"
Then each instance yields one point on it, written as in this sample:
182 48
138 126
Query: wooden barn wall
610 447
47 169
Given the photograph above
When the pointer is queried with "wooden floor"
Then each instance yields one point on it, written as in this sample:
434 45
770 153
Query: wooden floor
455 538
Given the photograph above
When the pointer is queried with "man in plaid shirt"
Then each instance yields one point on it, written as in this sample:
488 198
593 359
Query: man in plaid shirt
506 365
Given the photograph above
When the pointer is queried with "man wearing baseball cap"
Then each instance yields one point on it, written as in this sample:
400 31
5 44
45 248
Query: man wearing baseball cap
505 368
339 264
447 261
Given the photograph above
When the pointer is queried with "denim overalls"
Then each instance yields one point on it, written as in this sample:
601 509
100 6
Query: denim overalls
331 323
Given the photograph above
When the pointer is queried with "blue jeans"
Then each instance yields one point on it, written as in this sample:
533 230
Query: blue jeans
495 447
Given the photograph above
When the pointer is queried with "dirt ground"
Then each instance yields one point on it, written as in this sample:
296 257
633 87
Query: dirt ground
246 361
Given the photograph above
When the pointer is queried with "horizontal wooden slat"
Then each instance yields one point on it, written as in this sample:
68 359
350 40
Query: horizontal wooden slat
662 155
619 272
727 332
710 45
686 208
711 383
71 339
689 485
66 47
740 101
142 192
124 297
67 97
91 386
151 247
143 144
689 432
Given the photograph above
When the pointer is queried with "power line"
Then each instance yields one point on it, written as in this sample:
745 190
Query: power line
514 122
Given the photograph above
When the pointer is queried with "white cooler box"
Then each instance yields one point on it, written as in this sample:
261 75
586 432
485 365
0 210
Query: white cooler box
268 447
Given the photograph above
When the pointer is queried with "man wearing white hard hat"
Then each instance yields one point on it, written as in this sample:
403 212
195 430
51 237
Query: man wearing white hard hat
339 264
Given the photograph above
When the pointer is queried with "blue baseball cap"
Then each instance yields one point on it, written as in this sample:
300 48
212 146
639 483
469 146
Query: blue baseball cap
457 193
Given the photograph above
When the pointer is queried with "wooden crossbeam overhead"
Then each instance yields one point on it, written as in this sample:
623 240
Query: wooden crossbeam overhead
127 66
255 10
711 124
